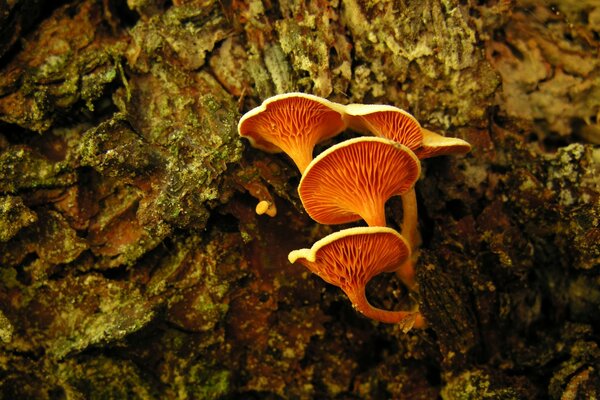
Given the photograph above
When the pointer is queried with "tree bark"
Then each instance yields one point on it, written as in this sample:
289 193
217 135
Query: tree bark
133 264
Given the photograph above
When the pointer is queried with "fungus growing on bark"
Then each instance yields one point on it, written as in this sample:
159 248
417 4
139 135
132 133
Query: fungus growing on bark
398 125
349 181
293 123
266 204
385 121
435 145
355 178
351 257
266 207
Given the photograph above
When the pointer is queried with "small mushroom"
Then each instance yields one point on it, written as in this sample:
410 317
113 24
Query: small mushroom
351 257
293 123
266 207
355 178
249 180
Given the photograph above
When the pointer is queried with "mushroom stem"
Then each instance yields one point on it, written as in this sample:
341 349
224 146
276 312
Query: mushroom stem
406 271
359 301
409 219
302 158
375 214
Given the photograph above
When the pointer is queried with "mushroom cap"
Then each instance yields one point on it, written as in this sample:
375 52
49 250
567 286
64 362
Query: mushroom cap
266 207
435 145
385 121
293 123
353 179
351 257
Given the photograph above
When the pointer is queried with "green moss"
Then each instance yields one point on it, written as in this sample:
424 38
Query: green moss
14 215
581 355
309 50
56 241
52 239
475 385
183 35
22 168
8 277
208 383
6 328
195 138
119 311
423 57
70 59
190 279
114 149
104 378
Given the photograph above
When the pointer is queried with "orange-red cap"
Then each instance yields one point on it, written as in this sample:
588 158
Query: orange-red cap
355 178
351 257
385 121
435 145
293 123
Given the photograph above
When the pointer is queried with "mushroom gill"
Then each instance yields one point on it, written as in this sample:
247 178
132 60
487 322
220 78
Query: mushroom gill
293 123
351 257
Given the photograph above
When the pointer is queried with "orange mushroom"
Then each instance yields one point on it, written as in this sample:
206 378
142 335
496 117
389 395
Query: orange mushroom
398 125
435 145
355 178
293 123
385 121
351 257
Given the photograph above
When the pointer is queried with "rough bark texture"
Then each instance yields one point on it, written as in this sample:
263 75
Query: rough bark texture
132 264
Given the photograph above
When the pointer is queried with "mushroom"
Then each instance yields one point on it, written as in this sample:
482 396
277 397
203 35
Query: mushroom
385 121
398 125
351 257
293 123
249 180
355 178
266 207
435 145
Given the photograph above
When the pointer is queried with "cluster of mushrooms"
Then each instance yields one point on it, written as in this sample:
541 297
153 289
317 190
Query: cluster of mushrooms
349 181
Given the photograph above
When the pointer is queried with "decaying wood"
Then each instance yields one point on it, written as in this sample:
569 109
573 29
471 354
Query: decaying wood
133 264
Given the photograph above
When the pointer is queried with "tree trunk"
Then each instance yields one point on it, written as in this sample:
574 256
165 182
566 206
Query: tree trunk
133 264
